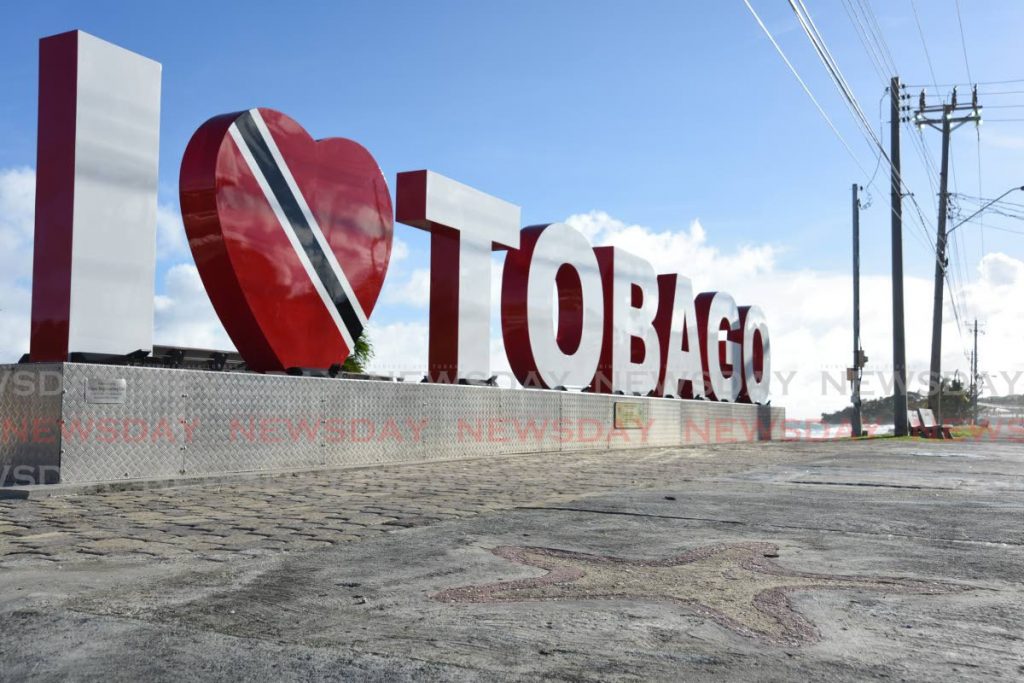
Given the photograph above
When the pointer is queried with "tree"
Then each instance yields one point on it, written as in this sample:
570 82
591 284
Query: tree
956 406
956 401
360 356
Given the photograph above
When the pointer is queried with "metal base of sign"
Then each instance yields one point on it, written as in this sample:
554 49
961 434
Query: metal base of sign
77 423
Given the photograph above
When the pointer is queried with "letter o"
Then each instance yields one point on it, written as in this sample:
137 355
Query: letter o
553 260
757 355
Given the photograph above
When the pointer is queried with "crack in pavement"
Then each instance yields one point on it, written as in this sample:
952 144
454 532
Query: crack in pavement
967 490
917 487
767 526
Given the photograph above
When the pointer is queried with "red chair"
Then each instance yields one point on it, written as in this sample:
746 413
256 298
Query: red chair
914 420
932 429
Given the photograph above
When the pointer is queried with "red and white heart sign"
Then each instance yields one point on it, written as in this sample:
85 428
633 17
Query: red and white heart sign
292 236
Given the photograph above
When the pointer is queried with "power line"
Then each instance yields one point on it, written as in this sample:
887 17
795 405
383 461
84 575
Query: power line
876 30
956 247
874 41
1004 203
1000 228
811 30
963 41
1009 230
877 58
956 280
807 90
1014 211
967 66
876 50
878 38
957 251
1009 214
980 199
863 120
956 85
1015 214
825 55
931 69
851 101
977 134
920 32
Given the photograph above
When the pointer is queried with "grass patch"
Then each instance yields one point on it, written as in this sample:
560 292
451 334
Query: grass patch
968 431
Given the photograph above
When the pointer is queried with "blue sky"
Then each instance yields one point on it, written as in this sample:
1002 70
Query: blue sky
657 113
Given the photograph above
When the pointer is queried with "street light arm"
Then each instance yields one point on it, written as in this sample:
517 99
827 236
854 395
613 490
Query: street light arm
1012 189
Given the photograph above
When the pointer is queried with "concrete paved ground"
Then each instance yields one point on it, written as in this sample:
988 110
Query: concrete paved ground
886 559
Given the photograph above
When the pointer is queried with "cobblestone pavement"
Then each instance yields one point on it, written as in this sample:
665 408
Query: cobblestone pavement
310 510
682 564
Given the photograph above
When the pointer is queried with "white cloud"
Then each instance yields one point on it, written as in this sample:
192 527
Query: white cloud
170 232
998 297
399 349
999 270
414 291
685 251
15 314
184 314
399 250
17 211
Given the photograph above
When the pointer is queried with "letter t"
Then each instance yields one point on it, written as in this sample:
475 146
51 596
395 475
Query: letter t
464 225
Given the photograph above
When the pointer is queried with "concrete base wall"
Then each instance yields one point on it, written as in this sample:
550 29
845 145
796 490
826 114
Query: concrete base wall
76 423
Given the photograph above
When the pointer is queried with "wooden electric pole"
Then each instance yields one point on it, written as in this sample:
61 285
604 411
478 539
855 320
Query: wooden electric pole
856 426
974 377
947 123
899 344
975 385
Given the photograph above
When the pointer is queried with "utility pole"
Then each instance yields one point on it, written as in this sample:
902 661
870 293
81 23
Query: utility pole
899 346
935 371
975 389
855 373
975 375
947 124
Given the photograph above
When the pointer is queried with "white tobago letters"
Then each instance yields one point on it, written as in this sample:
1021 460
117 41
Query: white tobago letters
465 225
717 315
683 377
635 348
757 363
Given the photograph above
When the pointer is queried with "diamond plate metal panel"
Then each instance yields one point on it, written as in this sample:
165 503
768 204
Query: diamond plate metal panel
586 419
665 420
531 420
176 422
30 397
462 421
752 422
143 437
695 418
778 424
250 422
707 422
367 422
